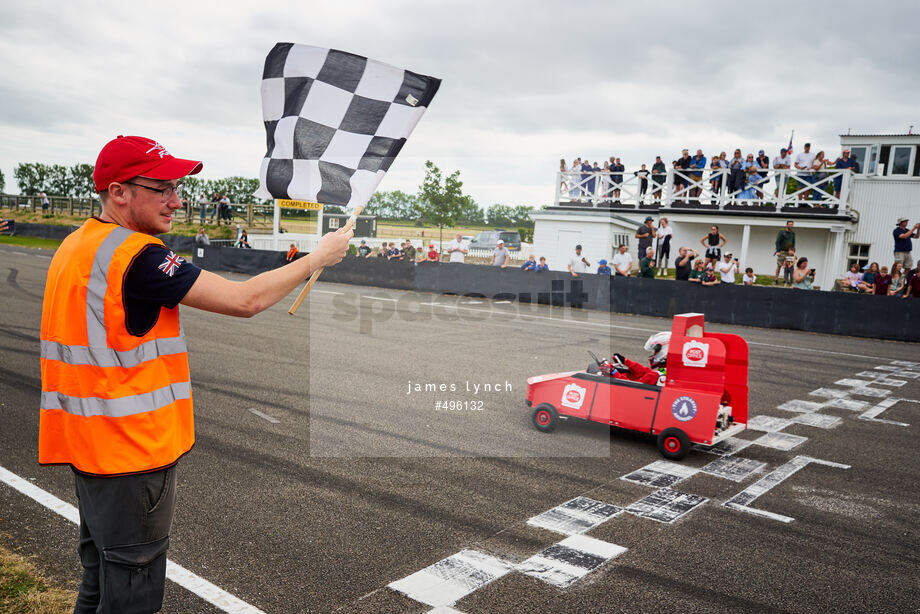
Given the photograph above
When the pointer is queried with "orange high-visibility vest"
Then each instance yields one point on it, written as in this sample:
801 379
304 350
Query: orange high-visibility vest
112 403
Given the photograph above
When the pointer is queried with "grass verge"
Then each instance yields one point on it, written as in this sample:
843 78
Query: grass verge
24 591
29 241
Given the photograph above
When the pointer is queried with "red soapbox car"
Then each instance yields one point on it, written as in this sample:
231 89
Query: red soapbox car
704 399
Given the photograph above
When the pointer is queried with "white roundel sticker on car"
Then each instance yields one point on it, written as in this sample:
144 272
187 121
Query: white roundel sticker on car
573 396
684 408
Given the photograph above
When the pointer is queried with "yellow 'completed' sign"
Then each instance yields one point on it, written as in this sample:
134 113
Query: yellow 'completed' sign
298 204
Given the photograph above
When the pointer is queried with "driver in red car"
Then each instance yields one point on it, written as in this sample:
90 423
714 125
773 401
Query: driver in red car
621 367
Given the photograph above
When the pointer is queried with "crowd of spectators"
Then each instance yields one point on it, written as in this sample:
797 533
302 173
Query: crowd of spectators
745 176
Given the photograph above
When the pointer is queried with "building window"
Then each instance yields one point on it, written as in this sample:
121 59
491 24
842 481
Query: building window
900 160
859 255
620 239
333 222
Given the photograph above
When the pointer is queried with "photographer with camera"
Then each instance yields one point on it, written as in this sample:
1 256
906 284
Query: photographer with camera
728 268
802 276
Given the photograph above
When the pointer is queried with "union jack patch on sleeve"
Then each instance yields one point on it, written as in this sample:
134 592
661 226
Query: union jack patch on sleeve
171 263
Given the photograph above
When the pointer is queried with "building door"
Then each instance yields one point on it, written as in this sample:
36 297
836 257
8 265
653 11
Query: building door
566 240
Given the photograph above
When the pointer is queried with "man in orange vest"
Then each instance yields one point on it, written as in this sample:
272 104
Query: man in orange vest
292 253
116 401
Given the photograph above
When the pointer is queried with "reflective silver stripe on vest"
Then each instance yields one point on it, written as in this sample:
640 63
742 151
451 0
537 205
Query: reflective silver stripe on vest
107 357
98 282
117 408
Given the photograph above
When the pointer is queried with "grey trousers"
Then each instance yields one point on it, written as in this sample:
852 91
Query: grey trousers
124 535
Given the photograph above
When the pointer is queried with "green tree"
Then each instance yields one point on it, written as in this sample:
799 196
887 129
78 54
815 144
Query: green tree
521 215
440 198
471 212
395 205
59 181
500 215
31 177
2 181
81 178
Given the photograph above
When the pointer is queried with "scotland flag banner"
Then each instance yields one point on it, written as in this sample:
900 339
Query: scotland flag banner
334 122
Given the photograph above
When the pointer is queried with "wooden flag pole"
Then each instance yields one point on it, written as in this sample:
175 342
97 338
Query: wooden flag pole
306 289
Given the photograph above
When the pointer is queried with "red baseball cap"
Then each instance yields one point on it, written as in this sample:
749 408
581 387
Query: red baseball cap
126 157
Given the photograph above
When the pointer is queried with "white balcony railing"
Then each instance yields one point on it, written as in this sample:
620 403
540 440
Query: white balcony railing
771 190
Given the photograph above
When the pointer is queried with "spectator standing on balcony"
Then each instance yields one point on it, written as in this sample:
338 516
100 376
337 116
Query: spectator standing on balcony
782 162
803 277
645 233
736 173
622 261
803 163
664 234
843 164
902 242
785 239
457 248
682 181
617 178
578 263
542 266
750 183
602 268
573 178
500 255
728 268
642 174
364 250
713 242
605 181
698 163
587 179
659 176
715 178
201 239
683 264
563 174
530 264
647 264
819 166
763 165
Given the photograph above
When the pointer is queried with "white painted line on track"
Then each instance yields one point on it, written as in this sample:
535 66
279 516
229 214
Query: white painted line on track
21 253
327 292
444 610
271 419
871 413
214 595
452 579
733 468
43 256
666 505
379 298
743 499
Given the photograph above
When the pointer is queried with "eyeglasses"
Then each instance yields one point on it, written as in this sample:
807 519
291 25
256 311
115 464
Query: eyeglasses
165 193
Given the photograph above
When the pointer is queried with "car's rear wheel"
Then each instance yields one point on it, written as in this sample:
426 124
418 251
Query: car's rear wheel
673 443
545 417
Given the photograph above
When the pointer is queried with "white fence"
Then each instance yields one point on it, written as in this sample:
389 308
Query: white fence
766 190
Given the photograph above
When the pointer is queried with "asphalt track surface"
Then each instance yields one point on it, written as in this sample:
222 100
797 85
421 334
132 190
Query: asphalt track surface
317 481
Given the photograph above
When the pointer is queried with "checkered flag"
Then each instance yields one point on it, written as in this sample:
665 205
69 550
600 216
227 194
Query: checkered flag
334 122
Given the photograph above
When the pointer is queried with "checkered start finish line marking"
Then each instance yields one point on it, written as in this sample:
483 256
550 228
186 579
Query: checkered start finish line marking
334 122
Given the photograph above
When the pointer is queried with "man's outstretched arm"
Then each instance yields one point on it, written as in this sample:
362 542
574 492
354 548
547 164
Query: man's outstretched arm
211 292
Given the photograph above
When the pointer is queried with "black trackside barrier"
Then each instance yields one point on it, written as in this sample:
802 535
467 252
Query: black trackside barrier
813 311
176 243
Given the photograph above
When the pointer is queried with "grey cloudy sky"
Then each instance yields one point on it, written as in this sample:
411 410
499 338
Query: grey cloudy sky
524 83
